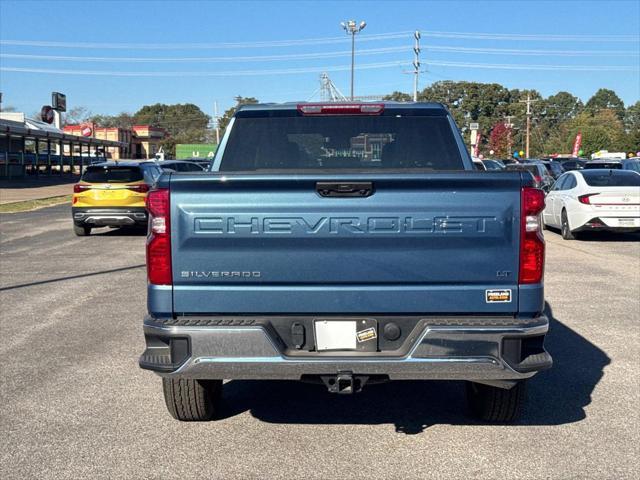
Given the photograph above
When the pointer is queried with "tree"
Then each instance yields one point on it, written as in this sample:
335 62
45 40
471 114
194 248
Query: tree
602 130
398 97
632 117
500 139
226 117
561 107
185 123
605 99
76 115
484 103
122 120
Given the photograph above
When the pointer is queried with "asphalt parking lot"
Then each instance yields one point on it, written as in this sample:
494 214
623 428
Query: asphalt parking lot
75 404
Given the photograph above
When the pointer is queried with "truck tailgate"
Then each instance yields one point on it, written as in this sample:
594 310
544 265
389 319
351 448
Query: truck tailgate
421 243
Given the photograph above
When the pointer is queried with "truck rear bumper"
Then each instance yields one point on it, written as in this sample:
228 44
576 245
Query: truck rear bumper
446 348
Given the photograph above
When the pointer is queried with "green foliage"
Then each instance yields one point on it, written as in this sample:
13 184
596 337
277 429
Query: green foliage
398 97
122 120
226 117
76 115
185 123
555 120
605 99
600 131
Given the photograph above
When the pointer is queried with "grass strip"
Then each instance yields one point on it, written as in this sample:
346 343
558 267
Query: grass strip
28 205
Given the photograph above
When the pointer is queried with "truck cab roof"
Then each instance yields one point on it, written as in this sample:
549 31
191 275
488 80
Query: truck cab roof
424 108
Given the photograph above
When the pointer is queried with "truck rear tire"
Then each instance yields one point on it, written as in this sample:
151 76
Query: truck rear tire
494 404
81 230
191 400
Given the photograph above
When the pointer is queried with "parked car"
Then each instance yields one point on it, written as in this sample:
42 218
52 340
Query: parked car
570 163
477 163
598 199
180 166
542 177
308 255
555 169
203 162
112 194
493 164
509 161
632 164
626 164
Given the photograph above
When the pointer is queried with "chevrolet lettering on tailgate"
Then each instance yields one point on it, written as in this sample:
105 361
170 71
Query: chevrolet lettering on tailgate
410 225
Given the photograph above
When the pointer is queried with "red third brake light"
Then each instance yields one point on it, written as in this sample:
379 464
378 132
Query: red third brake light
531 241
158 239
341 108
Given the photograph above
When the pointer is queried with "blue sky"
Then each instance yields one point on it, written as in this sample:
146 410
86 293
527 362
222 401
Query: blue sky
155 39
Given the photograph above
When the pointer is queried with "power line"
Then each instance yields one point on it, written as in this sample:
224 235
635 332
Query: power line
533 37
107 73
201 46
545 53
318 55
511 66
258 58
334 68
326 40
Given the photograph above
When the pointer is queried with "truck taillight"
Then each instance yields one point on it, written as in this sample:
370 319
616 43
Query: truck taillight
531 240
159 239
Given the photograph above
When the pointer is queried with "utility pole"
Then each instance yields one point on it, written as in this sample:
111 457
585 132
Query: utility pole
216 122
416 64
509 125
528 101
351 27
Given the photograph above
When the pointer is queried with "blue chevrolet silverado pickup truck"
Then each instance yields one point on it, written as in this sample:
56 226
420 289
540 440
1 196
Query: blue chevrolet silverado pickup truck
345 244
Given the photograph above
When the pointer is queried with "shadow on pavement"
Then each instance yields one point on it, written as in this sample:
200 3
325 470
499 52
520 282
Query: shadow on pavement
120 232
71 277
603 236
556 396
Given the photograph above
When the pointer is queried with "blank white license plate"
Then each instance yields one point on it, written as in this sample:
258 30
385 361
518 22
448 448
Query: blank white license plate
331 335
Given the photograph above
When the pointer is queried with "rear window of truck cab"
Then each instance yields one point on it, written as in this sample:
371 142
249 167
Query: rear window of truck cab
341 142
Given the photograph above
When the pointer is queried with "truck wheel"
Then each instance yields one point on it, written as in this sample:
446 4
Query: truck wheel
81 230
191 400
494 404
565 229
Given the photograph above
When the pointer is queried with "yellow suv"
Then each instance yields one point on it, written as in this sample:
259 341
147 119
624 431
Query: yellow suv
112 194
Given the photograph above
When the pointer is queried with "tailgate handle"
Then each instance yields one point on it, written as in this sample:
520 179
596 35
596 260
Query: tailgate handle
344 189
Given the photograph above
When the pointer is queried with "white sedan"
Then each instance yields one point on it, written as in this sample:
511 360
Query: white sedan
599 199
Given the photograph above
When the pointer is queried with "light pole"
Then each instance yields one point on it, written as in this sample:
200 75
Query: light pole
351 27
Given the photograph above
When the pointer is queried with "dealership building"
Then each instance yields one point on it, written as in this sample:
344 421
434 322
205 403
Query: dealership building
140 141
